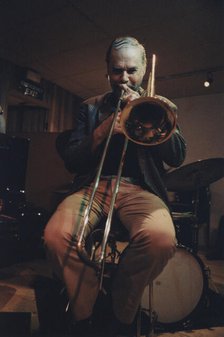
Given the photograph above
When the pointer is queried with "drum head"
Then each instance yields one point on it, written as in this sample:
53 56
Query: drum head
178 290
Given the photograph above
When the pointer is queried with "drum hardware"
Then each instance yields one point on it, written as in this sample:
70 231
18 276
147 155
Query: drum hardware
184 202
150 315
184 223
194 177
112 253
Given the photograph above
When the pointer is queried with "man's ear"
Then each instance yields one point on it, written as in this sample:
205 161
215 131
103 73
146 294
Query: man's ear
144 69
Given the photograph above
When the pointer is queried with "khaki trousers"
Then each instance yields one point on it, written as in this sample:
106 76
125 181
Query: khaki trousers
152 243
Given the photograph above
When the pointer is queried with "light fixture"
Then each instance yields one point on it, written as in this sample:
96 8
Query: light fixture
209 80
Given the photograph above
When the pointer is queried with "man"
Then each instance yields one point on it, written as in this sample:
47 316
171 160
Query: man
141 200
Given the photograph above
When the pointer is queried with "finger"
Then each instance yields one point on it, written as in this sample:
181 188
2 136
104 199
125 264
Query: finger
127 90
124 87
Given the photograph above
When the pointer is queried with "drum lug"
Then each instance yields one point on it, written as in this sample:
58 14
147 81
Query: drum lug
207 272
187 324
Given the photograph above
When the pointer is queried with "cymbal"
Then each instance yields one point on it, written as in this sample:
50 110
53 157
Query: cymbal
195 175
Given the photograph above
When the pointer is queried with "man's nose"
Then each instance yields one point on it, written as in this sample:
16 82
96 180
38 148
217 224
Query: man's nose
124 77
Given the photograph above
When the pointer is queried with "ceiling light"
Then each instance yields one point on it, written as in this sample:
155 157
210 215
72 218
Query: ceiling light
209 80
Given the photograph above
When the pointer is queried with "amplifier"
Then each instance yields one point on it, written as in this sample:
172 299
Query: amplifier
10 243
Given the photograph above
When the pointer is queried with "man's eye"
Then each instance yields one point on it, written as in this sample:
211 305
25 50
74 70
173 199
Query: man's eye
117 71
132 70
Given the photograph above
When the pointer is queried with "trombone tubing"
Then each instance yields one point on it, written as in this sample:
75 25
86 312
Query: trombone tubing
112 203
83 225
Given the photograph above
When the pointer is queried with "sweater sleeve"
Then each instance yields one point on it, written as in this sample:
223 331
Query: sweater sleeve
173 151
74 146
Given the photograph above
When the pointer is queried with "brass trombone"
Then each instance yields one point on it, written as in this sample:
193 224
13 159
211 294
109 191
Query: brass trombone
146 121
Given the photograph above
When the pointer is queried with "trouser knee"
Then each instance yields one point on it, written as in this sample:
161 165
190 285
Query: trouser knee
156 244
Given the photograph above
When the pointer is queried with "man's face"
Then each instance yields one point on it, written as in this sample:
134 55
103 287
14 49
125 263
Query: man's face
126 67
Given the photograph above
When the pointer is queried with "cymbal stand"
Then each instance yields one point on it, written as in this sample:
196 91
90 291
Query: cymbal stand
196 212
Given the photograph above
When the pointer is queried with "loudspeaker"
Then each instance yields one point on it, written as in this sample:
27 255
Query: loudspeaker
13 162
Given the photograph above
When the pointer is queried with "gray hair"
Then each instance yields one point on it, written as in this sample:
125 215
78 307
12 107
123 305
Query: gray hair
125 41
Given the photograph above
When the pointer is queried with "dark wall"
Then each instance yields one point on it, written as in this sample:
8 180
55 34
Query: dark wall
46 176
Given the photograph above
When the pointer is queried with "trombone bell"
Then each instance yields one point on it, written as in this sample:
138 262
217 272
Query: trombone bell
148 121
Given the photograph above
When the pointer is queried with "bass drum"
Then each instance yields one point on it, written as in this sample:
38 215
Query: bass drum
179 292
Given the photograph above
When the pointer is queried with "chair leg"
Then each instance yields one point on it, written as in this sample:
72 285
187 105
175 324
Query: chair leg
138 323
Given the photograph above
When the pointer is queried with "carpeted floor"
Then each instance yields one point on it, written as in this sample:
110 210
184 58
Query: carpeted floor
31 305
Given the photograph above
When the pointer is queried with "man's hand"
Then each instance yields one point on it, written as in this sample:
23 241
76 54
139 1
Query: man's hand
117 126
129 94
